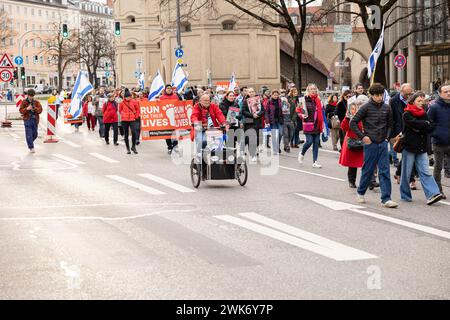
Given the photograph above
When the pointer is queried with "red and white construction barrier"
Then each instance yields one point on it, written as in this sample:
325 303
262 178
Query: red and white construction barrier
18 99
51 124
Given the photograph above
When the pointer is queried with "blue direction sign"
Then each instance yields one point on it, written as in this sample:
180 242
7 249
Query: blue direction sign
107 73
18 60
179 53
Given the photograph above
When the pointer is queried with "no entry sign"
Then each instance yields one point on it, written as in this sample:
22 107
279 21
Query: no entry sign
400 61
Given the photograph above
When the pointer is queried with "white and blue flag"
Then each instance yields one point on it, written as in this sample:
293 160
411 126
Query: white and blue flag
141 81
179 79
157 87
81 88
375 54
232 82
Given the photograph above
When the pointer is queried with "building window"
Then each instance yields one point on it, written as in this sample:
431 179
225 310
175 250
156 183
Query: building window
131 46
131 19
294 19
26 60
228 25
28 80
32 11
186 27
33 79
308 18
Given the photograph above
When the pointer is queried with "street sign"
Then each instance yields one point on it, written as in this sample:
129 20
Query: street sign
342 33
18 60
179 53
107 74
5 62
6 75
400 61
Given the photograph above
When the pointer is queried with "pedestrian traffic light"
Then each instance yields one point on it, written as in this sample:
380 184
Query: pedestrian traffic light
117 30
15 75
65 31
22 73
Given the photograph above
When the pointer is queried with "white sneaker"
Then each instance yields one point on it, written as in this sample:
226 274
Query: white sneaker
32 150
360 199
254 159
390 204
316 165
300 158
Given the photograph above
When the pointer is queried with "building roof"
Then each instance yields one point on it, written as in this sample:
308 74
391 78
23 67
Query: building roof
307 58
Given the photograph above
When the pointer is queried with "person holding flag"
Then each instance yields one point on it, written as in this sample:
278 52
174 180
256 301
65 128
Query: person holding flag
157 87
81 88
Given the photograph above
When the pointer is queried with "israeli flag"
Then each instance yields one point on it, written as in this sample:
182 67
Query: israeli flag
157 87
81 88
179 79
375 54
386 96
232 83
141 81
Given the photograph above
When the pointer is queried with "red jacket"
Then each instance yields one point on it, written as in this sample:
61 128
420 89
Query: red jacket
85 108
200 114
110 112
348 158
129 110
172 96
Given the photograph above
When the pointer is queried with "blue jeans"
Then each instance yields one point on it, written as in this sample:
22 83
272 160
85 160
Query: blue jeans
296 138
101 125
277 135
420 161
31 132
392 152
314 140
376 154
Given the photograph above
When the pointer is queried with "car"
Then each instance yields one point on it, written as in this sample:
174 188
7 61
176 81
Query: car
38 88
48 89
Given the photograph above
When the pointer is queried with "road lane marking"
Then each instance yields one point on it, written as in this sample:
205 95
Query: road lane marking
329 253
412 225
70 143
446 203
343 250
136 185
68 159
313 173
104 158
339 206
86 218
93 205
166 183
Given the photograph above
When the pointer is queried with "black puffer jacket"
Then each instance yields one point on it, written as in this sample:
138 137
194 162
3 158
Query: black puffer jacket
416 133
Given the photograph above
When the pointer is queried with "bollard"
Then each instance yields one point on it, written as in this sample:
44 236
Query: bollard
51 124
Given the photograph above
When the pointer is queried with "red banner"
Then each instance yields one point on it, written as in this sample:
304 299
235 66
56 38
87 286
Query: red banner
68 117
163 119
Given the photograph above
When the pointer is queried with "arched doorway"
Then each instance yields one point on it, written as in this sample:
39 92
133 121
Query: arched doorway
354 63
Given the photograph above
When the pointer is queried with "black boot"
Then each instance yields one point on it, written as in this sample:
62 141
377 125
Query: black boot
134 150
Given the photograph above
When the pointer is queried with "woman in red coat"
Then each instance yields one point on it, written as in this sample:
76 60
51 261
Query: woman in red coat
349 158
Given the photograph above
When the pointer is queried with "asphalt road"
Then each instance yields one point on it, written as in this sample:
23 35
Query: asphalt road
83 220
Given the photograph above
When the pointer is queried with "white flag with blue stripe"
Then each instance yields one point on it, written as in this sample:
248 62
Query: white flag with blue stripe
157 87
141 81
375 54
81 88
179 79
232 83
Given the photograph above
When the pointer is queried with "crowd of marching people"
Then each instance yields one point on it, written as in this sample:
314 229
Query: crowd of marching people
368 129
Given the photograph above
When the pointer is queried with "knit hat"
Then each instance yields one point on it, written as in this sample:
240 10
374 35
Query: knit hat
127 93
168 86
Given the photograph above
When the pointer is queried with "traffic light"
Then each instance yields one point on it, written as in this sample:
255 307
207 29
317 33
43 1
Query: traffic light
65 31
15 75
22 73
117 30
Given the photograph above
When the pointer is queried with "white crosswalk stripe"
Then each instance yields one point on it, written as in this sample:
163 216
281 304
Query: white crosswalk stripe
298 237
68 159
166 183
104 158
136 185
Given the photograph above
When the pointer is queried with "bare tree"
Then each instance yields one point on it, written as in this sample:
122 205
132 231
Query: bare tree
395 14
96 43
5 30
274 13
60 51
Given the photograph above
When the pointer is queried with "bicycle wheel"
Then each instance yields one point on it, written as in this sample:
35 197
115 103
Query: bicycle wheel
242 173
196 172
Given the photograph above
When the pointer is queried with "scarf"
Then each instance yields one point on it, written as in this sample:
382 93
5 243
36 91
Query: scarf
415 110
334 104
320 121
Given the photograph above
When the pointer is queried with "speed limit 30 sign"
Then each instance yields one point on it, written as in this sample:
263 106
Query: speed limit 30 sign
6 75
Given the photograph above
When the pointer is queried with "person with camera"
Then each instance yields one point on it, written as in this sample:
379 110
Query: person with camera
30 110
